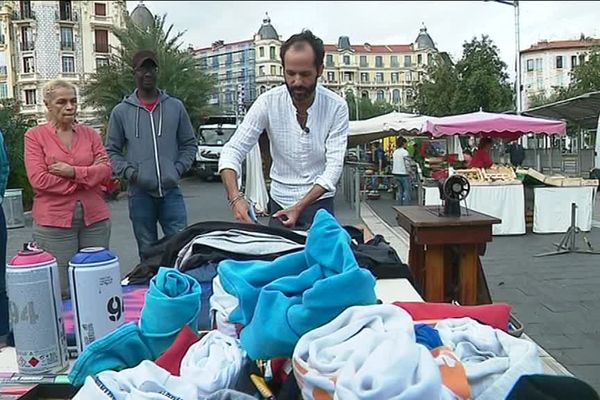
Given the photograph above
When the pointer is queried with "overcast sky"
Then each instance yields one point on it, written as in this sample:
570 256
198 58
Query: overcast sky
449 23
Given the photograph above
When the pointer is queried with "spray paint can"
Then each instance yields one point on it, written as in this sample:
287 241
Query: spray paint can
96 294
35 309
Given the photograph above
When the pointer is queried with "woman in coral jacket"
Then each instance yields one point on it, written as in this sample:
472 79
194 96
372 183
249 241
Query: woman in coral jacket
66 165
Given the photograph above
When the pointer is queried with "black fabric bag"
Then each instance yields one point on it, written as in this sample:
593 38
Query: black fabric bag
381 259
550 387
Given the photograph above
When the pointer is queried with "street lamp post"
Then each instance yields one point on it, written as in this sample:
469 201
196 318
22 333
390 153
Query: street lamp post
515 5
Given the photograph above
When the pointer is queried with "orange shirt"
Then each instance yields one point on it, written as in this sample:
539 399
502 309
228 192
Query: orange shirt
56 196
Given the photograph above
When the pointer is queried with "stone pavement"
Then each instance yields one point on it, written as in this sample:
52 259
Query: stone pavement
556 298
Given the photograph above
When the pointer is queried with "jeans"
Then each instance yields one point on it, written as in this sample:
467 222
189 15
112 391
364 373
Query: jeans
405 189
145 211
3 297
307 216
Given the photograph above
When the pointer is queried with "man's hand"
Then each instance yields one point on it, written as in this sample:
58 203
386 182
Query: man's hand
240 211
63 169
289 216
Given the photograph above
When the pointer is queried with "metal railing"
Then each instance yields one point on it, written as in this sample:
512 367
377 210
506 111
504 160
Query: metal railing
27 46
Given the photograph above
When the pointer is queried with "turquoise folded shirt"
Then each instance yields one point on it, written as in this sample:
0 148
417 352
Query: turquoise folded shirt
172 301
281 300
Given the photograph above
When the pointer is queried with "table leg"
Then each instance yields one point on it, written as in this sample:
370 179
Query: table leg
468 275
415 262
434 273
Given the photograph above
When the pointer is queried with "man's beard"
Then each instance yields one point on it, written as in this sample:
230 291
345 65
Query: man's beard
305 94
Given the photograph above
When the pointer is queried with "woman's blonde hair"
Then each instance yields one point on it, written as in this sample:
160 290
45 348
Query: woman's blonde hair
51 86
48 92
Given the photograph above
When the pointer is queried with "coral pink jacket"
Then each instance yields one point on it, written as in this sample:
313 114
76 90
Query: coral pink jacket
56 196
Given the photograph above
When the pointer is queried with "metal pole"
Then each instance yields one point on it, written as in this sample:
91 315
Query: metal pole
357 191
518 58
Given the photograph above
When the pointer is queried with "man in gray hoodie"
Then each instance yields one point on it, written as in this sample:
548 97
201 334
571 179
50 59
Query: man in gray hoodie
151 143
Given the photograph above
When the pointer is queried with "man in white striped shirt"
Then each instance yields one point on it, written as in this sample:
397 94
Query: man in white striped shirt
307 126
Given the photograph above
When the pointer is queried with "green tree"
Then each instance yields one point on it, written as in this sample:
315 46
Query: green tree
477 81
14 125
178 71
367 109
483 81
436 92
585 77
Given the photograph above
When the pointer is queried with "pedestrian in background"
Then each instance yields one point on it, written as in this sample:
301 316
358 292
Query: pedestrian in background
66 165
400 159
4 172
151 143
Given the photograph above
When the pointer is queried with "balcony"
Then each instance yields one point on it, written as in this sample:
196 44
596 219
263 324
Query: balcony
23 17
101 20
101 48
67 46
68 17
27 46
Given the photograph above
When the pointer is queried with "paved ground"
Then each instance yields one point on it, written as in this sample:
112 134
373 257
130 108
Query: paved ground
556 298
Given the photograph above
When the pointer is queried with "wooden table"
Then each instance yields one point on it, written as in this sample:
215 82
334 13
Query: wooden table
431 238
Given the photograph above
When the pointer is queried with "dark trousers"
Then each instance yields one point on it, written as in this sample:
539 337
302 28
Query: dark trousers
3 296
146 211
307 216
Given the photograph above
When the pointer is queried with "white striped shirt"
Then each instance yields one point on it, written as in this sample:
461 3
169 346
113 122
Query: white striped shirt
300 159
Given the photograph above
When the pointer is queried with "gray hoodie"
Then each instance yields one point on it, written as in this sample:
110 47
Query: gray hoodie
152 148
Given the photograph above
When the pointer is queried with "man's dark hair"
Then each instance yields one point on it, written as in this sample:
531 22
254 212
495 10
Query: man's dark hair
400 141
299 40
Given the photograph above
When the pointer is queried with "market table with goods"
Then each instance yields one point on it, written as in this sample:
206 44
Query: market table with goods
294 315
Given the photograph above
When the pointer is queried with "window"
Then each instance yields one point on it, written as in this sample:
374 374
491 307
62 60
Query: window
273 70
559 62
396 96
229 59
26 38
378 61
330 76
261 51
228 75
539 64
407 61
364 94
3 90
408 76
380 95
530 65
395 77
68 65
539 83
419 59
348 77
28 66
66 38
65 10
379 77
394 62
281 71
363 61
261 70
573 61
30 97
215 61
429 58
329 60
243 56
203 62
272 53
101 37
263 89
100 9
3 70
26 9
346 60
103 62
364 77
581 59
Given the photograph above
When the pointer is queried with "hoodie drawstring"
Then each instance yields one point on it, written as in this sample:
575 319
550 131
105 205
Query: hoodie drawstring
137 122
160 119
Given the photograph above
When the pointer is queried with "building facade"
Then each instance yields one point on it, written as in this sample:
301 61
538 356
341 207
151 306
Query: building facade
380 72
45 40
546 65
